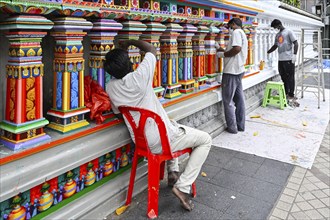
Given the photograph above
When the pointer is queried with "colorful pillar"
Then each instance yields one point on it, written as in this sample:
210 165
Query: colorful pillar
132 30
68 108
152 34
102 36
220 38
199 56
186 58
170 67
24 122
210 56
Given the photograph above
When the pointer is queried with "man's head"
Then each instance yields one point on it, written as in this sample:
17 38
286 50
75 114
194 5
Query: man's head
235 23
117 63
277 24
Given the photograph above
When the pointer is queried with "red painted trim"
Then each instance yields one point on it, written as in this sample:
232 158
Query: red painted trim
8 100
23 112
37 98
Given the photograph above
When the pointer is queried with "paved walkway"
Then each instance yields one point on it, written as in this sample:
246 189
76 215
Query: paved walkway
245 186
307 193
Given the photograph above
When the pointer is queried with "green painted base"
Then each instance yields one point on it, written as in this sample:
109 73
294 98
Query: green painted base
23 127
202 78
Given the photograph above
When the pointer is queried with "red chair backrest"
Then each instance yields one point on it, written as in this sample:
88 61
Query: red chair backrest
139 130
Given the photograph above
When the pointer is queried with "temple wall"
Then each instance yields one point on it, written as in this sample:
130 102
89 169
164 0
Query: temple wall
26 172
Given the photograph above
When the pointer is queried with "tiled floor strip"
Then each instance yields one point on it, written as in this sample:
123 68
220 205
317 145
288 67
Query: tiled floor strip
307 193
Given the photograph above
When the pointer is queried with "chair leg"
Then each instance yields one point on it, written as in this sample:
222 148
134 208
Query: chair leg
194 191
162 170
153 189
132 179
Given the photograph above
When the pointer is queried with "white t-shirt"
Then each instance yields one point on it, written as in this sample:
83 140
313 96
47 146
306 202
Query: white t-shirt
135 89
235 65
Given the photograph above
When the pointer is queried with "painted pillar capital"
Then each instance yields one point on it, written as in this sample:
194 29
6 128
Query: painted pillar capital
132 30
152 35
68 108
210 55
24 121
186 58
169 51
199 55
102 41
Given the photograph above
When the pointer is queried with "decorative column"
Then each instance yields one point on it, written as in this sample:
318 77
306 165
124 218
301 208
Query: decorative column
199 56
256 48
102 36
68 109
186 58
262 45
210 56
132 30
170 67
24 121
220 38
151 35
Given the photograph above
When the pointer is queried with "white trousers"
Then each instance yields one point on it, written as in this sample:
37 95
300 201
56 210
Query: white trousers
201 143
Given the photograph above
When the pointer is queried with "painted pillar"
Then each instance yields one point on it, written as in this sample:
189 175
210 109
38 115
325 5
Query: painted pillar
24 122
68 108
199 56
170 67
256 48
185 51
132 30
102 36
220 38
151 35
210 55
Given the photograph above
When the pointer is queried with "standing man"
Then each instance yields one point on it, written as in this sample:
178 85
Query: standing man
286 58
134 88
233 71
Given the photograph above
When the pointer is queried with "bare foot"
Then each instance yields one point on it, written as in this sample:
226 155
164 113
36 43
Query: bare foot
186 203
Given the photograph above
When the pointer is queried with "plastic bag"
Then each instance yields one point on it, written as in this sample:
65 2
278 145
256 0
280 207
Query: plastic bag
96 99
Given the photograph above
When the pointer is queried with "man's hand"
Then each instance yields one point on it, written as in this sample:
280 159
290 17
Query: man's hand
294 58
219 49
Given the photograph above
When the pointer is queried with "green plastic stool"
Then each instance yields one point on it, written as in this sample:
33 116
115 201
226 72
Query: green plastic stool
277 100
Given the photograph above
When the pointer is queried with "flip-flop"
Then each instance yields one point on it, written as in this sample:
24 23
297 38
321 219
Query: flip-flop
186 203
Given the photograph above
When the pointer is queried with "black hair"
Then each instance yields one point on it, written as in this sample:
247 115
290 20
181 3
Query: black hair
117 63
236 21
275 23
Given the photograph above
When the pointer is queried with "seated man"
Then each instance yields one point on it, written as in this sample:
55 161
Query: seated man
134 88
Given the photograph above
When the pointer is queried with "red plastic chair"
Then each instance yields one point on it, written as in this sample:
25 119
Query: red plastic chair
156 162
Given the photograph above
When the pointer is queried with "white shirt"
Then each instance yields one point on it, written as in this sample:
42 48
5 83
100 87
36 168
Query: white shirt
235 65
135 89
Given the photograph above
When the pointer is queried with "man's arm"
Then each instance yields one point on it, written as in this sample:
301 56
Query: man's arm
142 45
272 49
295 47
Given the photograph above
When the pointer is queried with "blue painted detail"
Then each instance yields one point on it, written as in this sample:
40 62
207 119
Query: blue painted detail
94 74
74 90
59 80
79 66
181 68
174 71
164 71
189 68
